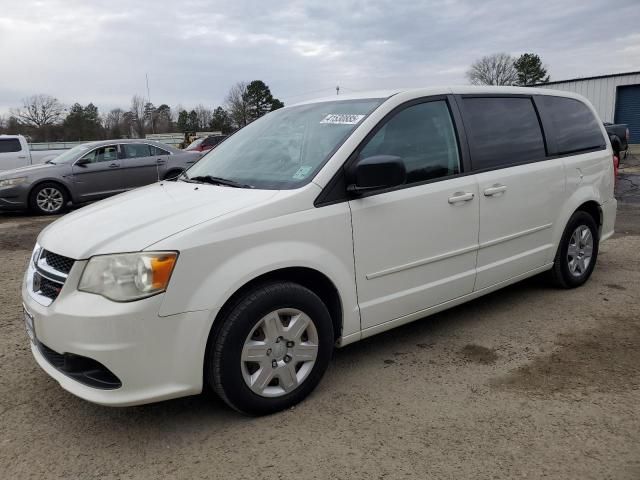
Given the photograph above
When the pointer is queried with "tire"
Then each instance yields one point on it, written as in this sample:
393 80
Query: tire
172 174
569 268
48 198
261 316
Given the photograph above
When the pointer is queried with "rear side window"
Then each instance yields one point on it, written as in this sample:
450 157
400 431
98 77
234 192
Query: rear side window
8 145
570 125
136 150
502 131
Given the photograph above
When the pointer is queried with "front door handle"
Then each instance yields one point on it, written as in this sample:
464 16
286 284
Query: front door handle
460 197
497 189
160 161
114 165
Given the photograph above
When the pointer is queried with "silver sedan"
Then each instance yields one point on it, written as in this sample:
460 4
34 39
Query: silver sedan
89 172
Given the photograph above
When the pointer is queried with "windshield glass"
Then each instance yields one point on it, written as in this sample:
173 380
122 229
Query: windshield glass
70 155
285 148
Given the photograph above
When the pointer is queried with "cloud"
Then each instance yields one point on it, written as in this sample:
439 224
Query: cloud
194 51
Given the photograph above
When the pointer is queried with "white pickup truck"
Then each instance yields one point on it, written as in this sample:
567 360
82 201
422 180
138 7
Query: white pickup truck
15 153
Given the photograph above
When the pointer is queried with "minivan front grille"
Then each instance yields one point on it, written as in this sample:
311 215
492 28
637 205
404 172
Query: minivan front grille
48 288
51 271
57 262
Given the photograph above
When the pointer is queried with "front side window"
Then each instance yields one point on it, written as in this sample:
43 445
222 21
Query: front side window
571 124
102 154
135 150
10 145
287 147
424 138
502 132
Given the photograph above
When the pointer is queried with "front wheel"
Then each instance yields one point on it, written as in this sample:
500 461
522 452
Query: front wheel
271 350
48 199
577 252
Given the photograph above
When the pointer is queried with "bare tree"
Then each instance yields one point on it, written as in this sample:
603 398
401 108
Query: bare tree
39 111
205 115
137 112
496 69
238 105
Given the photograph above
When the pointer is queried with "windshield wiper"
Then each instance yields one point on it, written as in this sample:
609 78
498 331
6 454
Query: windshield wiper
218 181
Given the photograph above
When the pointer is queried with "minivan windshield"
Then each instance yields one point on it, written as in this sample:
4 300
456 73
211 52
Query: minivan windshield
287 147
70 155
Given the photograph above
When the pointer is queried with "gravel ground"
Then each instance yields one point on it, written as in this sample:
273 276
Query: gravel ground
529 382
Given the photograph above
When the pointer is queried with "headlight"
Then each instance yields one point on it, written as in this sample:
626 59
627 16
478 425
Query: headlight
12 182
128 276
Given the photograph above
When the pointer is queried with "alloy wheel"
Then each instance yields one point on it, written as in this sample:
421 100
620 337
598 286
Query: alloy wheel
580 251
50 199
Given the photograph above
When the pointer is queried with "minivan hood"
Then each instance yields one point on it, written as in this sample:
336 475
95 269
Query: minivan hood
134 220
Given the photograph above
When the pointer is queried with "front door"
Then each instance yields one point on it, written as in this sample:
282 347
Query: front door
415 246
98 174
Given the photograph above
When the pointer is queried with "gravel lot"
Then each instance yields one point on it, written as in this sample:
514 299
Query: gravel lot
528 382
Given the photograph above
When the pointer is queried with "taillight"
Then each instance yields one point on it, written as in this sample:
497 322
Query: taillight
626 135
616 164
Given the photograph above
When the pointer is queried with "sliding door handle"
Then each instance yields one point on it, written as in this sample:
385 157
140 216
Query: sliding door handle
459 197
495 190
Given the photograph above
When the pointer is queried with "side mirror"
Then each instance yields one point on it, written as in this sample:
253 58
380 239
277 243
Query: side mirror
377 172
82 162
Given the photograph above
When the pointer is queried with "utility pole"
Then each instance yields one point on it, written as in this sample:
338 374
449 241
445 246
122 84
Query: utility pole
153 129
337 89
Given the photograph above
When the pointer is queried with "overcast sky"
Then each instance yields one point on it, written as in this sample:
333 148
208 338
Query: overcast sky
193 51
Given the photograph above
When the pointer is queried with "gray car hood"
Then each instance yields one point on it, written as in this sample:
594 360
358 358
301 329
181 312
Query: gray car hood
31 169
132 221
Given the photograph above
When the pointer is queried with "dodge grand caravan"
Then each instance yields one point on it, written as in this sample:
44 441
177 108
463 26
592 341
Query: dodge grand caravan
316 226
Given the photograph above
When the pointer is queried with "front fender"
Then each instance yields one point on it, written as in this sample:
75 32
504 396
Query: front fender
209 273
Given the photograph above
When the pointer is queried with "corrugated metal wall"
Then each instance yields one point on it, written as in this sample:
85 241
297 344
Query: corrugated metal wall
600 91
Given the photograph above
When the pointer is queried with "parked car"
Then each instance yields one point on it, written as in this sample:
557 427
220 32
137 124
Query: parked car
15 153
89 172
316 226
619 137
206 143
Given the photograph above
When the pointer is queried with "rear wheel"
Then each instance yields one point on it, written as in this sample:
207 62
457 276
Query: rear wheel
48 198
271 350
577 252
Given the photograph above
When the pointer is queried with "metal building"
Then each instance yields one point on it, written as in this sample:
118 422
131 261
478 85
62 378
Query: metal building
616 97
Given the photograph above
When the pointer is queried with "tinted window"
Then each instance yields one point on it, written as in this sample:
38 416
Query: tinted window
136 150
570 123
157 150
102 154
502 131
9 145
424 137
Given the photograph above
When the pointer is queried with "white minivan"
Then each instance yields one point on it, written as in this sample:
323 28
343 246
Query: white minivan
313 227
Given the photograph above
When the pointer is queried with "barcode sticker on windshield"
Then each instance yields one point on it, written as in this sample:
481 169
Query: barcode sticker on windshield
342 118
302 172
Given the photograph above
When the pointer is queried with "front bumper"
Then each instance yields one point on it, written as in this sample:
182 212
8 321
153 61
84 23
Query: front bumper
155 358
14 198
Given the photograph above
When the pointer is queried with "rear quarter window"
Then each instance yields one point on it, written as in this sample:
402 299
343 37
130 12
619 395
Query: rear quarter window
9 145
570 125
502 131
